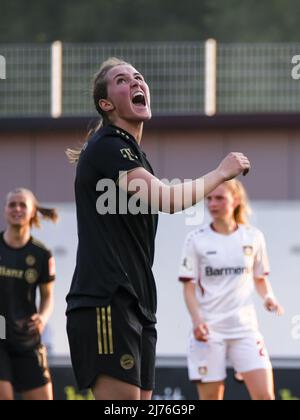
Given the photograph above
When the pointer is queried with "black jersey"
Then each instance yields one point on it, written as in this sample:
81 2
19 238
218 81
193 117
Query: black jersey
22 270
114 250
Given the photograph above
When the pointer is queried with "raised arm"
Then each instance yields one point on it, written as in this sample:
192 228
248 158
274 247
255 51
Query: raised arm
176 198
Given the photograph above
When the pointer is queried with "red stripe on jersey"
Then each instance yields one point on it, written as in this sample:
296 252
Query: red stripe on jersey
185 279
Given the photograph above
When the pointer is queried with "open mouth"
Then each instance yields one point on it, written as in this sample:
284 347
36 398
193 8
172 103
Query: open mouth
139 99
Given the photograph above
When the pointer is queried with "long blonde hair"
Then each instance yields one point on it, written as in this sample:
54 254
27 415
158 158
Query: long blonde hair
40 212
99 92
243 210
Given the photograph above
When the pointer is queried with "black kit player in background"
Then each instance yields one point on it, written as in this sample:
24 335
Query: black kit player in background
112 302
25 266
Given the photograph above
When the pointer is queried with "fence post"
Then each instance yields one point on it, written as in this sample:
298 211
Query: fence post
56 79
2 328
211 77
2 67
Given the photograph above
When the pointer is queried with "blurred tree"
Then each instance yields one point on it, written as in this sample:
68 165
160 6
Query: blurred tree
256 20
148 20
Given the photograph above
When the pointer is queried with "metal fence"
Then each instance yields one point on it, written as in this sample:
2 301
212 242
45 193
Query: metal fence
26 89
174 72
257 78
185 78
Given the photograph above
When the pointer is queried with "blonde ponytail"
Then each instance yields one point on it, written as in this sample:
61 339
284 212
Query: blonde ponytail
99 92
46 214
74 154
243 210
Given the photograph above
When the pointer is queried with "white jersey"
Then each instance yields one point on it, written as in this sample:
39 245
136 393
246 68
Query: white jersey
224 268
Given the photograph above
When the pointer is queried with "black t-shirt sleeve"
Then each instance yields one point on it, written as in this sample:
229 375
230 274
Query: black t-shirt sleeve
48 272
113 155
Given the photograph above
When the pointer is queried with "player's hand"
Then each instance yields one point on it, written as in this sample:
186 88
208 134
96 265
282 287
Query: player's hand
233 165
36 324
272 305
201 332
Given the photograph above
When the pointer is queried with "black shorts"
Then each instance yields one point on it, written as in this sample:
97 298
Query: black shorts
115 341
26 370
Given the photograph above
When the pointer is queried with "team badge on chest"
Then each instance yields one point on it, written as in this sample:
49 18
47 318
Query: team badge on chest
248 250
31 276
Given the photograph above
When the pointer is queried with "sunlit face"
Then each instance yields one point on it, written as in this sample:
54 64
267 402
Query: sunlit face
221 204
19 210
128 96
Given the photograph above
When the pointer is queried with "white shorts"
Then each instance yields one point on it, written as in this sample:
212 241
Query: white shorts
207 362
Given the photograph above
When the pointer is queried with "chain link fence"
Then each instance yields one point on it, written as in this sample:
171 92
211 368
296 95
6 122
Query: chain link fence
249 77
26 91
174 72
257 78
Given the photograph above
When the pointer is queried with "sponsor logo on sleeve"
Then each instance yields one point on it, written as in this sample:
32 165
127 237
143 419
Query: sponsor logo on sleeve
52 267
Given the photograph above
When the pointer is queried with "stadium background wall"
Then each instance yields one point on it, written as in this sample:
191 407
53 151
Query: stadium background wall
32 151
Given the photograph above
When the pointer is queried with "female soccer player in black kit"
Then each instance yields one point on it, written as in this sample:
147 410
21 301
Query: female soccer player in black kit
25 266
112 301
